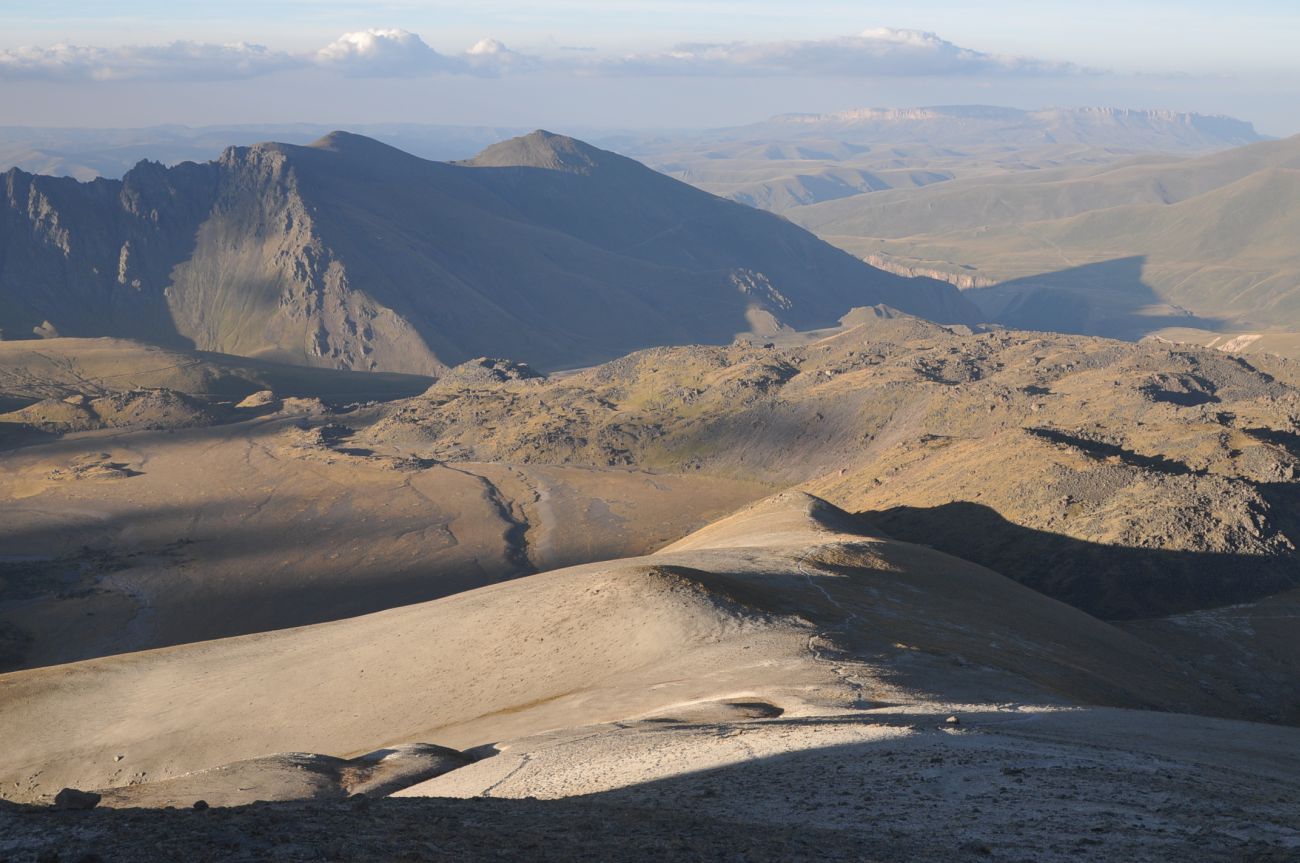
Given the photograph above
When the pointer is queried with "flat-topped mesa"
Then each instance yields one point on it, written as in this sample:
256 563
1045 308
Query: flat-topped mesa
856 115
979 125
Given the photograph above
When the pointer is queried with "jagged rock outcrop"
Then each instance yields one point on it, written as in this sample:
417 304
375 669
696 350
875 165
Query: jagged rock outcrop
352 254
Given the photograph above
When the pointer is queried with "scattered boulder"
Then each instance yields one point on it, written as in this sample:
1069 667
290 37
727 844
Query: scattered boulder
99 465
73 798
487 370
312 406
133 409
259 399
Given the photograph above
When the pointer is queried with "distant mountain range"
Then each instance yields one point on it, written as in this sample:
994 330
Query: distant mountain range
795 160
985 125
840 137
352 254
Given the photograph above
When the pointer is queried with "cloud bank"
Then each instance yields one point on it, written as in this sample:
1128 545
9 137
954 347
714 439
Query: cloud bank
395 53
182 61
878 52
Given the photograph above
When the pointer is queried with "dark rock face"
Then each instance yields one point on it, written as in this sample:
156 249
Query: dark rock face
96 258
351 254
72 798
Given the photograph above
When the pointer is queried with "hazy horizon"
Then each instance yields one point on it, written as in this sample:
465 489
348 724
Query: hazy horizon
664 64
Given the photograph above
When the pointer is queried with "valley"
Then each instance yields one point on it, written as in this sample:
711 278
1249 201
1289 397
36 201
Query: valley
358 506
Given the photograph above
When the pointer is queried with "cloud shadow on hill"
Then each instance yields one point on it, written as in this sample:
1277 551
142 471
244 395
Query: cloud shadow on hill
1107 298
1112 582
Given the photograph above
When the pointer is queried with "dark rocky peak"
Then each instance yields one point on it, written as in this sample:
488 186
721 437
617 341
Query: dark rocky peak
546 150
153 191
359 147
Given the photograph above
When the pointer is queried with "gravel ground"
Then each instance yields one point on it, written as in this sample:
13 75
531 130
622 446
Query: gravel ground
409 830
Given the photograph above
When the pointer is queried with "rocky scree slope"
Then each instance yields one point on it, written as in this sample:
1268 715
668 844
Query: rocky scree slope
1129 480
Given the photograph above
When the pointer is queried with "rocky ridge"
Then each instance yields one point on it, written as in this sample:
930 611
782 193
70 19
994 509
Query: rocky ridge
351 254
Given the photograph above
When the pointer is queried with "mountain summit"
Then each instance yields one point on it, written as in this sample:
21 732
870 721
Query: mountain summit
352 254
542 149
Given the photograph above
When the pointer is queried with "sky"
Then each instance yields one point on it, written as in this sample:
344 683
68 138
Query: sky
633 63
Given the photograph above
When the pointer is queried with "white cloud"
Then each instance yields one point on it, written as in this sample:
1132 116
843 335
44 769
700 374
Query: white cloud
490 57
877 52
395 53
385 54
182 61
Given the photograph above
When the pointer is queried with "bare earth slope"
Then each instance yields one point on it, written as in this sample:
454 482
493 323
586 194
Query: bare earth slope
122 541
785 675
773 648
153 496
1133 482
1176 464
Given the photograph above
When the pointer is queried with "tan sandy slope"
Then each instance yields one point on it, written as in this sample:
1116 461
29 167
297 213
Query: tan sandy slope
1130 481
777 668
123 542
780 604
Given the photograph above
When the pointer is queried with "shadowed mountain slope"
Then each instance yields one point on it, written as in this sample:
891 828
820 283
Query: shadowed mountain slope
352 254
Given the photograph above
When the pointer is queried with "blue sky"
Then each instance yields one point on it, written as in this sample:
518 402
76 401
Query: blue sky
581 61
